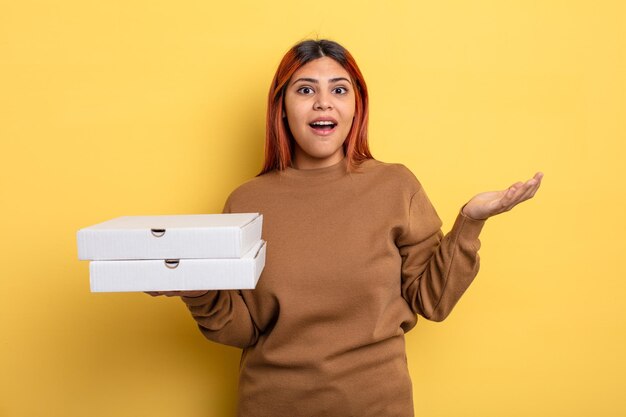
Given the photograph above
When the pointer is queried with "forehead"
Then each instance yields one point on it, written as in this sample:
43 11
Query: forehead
321 68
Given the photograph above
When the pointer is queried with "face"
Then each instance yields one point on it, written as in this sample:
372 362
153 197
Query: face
319 106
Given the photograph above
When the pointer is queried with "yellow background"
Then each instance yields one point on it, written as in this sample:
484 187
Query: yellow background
154 107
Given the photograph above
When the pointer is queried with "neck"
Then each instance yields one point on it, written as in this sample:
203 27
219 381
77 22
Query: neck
304 161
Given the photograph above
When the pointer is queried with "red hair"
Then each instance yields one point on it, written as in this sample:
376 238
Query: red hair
279 142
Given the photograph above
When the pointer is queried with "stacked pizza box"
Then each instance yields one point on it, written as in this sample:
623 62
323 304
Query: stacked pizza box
178 252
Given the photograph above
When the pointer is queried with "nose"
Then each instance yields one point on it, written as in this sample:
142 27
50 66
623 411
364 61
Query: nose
323 101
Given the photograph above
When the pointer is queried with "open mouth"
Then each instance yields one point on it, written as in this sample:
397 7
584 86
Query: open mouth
323 125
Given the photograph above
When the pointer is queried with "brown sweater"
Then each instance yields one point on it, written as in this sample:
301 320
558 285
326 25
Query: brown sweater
351 259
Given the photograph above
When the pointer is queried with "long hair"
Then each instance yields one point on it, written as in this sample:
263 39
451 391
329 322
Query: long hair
279 142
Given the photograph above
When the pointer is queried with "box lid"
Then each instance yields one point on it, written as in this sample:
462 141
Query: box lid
228 235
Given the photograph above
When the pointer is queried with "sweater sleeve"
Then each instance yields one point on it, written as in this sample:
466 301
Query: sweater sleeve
437 269
223 316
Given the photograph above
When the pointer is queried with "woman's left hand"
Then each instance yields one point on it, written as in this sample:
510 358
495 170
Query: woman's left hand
485 205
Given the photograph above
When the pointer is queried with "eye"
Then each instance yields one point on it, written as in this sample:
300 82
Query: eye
340 90
305 90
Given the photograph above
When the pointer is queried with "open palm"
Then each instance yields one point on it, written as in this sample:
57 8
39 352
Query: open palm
490 203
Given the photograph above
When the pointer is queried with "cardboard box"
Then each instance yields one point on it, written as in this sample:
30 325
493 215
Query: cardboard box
179 274
199 236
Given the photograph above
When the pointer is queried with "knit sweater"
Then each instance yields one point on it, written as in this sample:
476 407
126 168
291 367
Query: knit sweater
352 259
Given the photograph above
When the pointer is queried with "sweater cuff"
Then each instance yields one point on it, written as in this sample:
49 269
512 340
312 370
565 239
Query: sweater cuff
199 300
467 227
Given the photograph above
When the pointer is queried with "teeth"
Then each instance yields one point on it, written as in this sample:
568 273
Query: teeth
323 123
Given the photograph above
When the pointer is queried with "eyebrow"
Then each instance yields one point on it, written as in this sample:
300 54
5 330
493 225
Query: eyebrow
314 81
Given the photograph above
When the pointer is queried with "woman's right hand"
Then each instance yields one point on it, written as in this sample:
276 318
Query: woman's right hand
197 293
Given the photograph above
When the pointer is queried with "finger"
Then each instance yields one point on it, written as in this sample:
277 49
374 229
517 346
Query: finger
535 188
512 193
526 192
534 180
517 197
153 293
539 177
534 192
536 183
171 293
520 191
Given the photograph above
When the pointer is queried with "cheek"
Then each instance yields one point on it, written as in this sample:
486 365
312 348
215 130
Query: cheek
350 110
295 127
295 118
350 115
294 123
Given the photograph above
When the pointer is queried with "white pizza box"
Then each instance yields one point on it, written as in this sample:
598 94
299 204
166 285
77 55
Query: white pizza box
179 274
171 237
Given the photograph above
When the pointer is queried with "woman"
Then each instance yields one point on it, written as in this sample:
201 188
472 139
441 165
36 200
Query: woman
355 253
